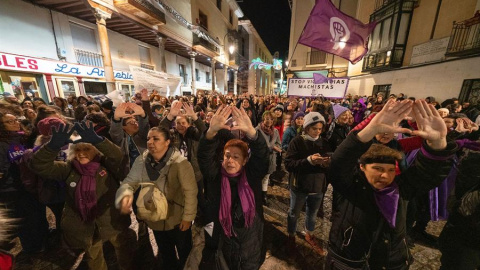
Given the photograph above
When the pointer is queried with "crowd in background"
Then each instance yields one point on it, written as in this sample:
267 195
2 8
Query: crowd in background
214 157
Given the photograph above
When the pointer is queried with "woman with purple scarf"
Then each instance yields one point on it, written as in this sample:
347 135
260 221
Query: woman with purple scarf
234 198
370 205
91 174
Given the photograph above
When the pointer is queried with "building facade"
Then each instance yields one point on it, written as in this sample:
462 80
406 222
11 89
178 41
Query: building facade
57 48
260 81
418 48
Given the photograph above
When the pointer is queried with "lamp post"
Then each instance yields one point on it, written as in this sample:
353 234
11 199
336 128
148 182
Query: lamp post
231 50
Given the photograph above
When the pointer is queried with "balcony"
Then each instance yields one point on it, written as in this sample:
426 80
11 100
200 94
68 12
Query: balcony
316 58
465 38
142 9
204 46
89 58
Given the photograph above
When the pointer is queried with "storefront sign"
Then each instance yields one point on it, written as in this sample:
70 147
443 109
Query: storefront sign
334 88
36 65
165 84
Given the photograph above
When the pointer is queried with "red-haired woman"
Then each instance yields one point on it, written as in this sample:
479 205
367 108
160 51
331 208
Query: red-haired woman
234 188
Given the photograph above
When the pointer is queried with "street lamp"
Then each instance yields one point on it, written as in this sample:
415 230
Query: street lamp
231 49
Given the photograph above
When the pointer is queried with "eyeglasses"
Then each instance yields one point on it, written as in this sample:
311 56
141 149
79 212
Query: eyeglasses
11 121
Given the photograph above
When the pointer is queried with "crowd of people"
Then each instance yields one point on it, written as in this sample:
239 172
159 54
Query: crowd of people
394 163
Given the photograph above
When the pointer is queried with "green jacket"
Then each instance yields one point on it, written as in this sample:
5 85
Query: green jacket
78 234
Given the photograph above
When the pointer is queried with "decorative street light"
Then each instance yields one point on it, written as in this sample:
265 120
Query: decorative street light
231 49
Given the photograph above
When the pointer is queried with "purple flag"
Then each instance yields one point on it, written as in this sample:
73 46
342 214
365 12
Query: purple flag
332 31
319 78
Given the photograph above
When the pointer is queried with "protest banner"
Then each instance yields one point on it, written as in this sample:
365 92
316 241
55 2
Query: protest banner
151 80
306 87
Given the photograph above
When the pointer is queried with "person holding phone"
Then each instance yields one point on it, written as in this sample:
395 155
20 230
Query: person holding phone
307 162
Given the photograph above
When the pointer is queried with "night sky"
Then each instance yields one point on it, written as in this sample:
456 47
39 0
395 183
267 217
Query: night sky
271 19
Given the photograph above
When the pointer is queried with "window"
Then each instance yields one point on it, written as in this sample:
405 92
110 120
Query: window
388 41
231 16
207 77
316 57
183 73
83 38
203 20
383 89
197 75
219 5
470 91
144 55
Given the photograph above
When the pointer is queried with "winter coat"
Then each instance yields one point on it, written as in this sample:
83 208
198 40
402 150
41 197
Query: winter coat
304 176
355 213
463 227
288 136
246 247
180 189
11 150
339 134
120 138
109 222
271 142
191 138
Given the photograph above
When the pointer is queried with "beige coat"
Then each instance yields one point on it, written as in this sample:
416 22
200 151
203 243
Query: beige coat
181 189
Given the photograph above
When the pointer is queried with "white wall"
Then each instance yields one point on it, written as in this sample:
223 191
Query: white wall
26 29
441 81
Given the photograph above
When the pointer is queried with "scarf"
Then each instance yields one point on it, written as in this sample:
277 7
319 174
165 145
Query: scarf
247 200
267 130
153 168
310 138
86 191
387 202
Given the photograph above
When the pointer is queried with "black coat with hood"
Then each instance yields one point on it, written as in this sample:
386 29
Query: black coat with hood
355 213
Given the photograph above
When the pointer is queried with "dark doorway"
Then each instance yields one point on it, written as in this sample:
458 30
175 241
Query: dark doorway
383 89
470 92
95 88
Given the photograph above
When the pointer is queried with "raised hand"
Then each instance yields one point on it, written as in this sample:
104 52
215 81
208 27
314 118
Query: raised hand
387 120
175 110
243 122
87 132
218 121
120 112
189 111
60 137
137 109
430 125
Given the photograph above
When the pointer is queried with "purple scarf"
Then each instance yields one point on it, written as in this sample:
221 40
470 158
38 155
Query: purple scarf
387 202
247 200
86 191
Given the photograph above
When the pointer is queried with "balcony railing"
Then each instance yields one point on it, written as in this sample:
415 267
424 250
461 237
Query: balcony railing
89 58
465 38
316 58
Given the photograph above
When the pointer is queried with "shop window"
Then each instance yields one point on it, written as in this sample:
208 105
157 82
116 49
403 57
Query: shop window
95 88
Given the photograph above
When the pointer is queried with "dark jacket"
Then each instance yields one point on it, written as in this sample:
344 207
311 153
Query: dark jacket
355 212
191 138
305 177
246 247
339 134
463 227
288 136
11 150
